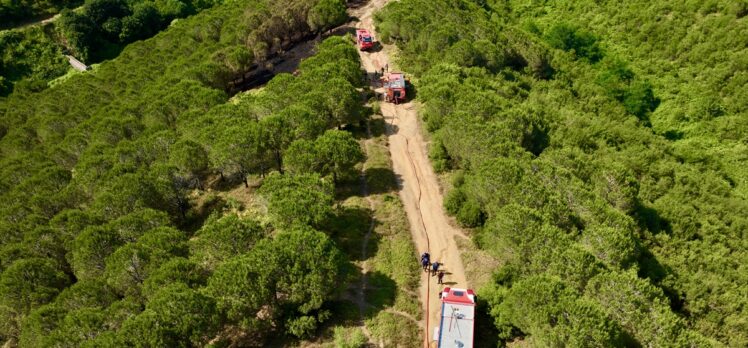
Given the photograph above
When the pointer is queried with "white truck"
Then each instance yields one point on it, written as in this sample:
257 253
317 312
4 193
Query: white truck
457 324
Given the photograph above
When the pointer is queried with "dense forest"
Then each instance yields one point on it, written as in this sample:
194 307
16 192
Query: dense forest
599 150
101 239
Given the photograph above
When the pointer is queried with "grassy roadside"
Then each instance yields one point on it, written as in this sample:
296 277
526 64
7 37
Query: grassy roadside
391 309
394 278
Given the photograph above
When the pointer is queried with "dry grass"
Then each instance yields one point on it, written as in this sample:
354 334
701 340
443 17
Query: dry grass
478 264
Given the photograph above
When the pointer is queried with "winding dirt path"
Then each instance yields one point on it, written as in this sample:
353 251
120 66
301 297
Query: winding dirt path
419 187
41 21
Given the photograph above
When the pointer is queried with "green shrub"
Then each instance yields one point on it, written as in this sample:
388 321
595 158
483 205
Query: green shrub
454 201
439 156
568 38
470 214
349 337
302 326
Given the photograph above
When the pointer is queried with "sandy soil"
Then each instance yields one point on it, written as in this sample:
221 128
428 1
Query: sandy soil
419 187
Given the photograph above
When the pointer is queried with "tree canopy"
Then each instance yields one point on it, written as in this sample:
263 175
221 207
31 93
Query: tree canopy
103 241
598 148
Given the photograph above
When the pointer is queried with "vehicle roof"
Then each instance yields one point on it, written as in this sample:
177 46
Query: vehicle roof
362 32
396 80
457 325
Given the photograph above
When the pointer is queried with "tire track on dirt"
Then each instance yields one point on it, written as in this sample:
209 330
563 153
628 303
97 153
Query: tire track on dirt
423 226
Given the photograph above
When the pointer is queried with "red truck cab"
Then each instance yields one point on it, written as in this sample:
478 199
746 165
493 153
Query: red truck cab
364 40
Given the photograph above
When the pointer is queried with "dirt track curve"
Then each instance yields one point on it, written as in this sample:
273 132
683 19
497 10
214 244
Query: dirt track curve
419 187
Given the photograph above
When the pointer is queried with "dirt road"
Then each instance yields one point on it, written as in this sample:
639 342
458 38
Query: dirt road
419 187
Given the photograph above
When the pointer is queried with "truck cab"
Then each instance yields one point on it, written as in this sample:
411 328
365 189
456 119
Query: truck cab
364 40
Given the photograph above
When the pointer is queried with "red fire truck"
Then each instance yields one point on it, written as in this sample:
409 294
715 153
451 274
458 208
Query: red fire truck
363 39
394 87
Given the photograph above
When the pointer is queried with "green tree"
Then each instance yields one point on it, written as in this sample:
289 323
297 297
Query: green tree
298 199
568 38
241 287
78 32
29 283
132 226
302 157
235 59
126 194
339 152
93 293
172 189
544 308
130 265
190 159
638 306
90 250
616 247
141 24
45 243
306 122
289 276
71 222
327 14
176 270
240 148
99 11
177 316
277 135
307 266
80 327
38 327
341 101
222 238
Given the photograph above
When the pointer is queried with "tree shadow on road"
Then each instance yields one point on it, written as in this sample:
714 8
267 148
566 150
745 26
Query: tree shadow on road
382 180
486 334
377 127
357 4
380 293
349 227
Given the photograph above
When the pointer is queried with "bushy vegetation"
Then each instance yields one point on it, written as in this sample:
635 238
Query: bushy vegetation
31 54
104 26
603 145
100 171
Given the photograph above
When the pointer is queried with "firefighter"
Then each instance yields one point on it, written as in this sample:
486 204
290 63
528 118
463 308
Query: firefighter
440 277
434 268
425 260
